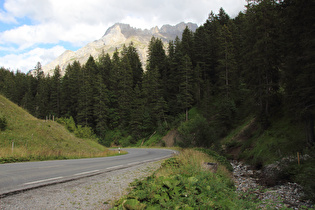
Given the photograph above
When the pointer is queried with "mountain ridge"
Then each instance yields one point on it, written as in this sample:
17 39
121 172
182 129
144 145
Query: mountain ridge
114 38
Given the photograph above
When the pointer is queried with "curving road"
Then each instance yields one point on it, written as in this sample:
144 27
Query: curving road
16 177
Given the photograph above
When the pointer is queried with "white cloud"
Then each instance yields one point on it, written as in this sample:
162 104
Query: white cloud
86 20
79 22
27 61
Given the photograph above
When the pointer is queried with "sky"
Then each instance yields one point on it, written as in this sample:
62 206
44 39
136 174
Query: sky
34 31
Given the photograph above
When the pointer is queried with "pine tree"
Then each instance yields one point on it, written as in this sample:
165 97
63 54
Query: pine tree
185 96
104 67
137 113
87 94
56 92
113 112
261 50
227 63
157 60
135 63
101 107
125 90
173 77
299 76
187 44
152 93
71 85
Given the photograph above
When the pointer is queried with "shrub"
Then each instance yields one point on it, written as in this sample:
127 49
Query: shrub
84 132
197 132
3 123
68 123
127 141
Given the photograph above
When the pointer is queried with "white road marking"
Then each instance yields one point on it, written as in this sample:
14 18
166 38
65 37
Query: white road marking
114 167
86 172
43 180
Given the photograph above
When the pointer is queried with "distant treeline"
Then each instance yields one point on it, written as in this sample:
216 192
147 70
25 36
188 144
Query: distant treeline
259 63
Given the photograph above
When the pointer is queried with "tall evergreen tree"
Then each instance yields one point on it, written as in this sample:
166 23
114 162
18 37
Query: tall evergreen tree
125 87
187 44
113 112
157 60
87 94
227 63
185 96
135 64
261 51
71 85
137 113
56 92
104 67
101 107
299 76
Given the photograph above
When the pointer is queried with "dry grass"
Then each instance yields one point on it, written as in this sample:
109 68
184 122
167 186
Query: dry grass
191 159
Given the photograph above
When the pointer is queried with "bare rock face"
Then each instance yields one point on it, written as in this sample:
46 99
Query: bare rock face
114 38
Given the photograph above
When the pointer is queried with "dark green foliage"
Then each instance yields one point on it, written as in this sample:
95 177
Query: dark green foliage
3 123
197 132
68 123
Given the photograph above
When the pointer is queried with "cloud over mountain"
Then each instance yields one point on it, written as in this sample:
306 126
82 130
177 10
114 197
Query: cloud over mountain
30 24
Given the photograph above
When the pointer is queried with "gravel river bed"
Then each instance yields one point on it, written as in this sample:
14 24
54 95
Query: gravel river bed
289 195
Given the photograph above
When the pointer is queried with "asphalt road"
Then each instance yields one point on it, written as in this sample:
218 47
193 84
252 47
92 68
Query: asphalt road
15 177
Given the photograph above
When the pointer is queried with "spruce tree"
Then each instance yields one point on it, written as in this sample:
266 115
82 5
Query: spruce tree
299 77
185 96
261 53
87 94
71 85
125 90
101 107
56 92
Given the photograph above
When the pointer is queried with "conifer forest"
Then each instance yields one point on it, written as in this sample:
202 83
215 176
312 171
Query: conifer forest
260 63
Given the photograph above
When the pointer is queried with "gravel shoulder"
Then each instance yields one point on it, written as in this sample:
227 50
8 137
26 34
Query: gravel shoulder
96 192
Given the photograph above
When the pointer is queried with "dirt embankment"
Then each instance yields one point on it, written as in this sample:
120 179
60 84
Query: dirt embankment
171 138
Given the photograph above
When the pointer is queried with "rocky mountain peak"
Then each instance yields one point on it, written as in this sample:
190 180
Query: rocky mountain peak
114 38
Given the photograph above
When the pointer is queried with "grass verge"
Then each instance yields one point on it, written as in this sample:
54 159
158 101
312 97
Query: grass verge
184 183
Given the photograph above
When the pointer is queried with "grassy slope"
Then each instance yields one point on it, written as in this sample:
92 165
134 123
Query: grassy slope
283 138
34 137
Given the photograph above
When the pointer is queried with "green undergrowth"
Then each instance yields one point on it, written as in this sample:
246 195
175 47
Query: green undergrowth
283 138
184 183
281 141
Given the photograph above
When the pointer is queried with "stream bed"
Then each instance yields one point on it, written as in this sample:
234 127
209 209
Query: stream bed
285 195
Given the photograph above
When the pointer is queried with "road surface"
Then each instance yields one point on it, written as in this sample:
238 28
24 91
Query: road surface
15 177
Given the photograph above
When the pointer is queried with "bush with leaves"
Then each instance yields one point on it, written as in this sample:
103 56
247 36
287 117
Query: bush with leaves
84 132
3 123
68 123
197 132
